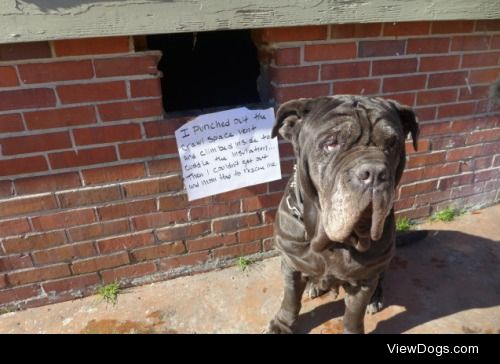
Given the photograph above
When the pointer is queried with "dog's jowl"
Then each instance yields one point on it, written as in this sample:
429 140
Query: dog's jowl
335 224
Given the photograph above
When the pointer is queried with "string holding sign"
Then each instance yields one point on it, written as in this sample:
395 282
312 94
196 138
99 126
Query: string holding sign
227 150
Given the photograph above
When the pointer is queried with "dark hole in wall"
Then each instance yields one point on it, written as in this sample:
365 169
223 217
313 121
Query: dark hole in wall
207 69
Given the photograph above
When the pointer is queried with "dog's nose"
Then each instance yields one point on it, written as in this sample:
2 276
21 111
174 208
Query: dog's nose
372 174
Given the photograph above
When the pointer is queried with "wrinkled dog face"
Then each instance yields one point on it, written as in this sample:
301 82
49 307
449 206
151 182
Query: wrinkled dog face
352 150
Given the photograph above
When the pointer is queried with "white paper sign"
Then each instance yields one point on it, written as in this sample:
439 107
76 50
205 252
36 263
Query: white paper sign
227 150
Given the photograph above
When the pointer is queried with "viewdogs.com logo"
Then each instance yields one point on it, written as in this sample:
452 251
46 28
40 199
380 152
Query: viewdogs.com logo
437 350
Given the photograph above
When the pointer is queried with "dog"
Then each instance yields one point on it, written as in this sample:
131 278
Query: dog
335 224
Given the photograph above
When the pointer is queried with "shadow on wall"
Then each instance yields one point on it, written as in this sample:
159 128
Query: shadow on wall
447 273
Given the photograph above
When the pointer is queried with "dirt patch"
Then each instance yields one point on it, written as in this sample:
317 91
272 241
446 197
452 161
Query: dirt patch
127 327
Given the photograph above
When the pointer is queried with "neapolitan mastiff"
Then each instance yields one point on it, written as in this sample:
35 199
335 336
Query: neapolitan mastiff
335 224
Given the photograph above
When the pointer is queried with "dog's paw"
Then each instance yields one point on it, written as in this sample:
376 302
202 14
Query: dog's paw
313 290
374 307
277 327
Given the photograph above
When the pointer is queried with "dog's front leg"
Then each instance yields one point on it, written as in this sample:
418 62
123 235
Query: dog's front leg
356 300
295 285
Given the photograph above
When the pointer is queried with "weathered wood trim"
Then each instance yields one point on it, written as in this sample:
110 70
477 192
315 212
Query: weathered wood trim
32 20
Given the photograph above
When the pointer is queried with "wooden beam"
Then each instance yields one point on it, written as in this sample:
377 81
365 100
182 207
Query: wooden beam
33 20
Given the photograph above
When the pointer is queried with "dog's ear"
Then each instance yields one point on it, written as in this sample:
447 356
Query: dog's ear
408 120
289 117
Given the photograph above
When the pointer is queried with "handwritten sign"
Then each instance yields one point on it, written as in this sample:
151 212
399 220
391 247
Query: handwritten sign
227 150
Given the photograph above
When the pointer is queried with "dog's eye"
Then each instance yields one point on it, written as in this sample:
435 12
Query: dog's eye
330 144
391 142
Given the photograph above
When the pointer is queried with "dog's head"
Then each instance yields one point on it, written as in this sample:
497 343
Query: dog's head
350 155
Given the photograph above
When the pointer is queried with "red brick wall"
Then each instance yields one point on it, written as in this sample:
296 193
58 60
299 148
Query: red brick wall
90 184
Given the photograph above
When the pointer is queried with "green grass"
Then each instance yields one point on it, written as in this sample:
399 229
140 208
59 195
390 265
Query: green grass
446 215
404 224
244 263
109 293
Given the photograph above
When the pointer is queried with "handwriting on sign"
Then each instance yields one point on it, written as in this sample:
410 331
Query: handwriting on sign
228 150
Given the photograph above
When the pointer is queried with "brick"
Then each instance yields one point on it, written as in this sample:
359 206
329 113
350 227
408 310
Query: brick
55 71
345 70
363 87
6 188
27 99
463 153
403 204
211 242
27 205
425 159
480 60
159 219
423 145
164 166
418 188
63 219
404 83
65 253
14 227
132 208
329 52
15 262
164 128
381 48
260 202
483 136
113 174
241 193
15 166
82 157
89 92
131 110
126 242
428 45
235 223
452 26
470 43
484 76
287 56
18 294
458 109
34 242
107 134
486 25
237 250
283 94
3 282
61 117
394 66
291 34
294 74
467 190
425 113
158 251
8 76
152 187
150 87
355 30
38 274
407 28
268 244
257 233
187 231
35 143
147 148
168 203
449 182
407 98
439 63
214 210
77 47
440 170
447 79
432 198
491 174
100 263
72 283
98 230
129 271
29 50
474 93
495 42
11 123
47 183
182 261
436 97
126 66
482 163
279 185
89 196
